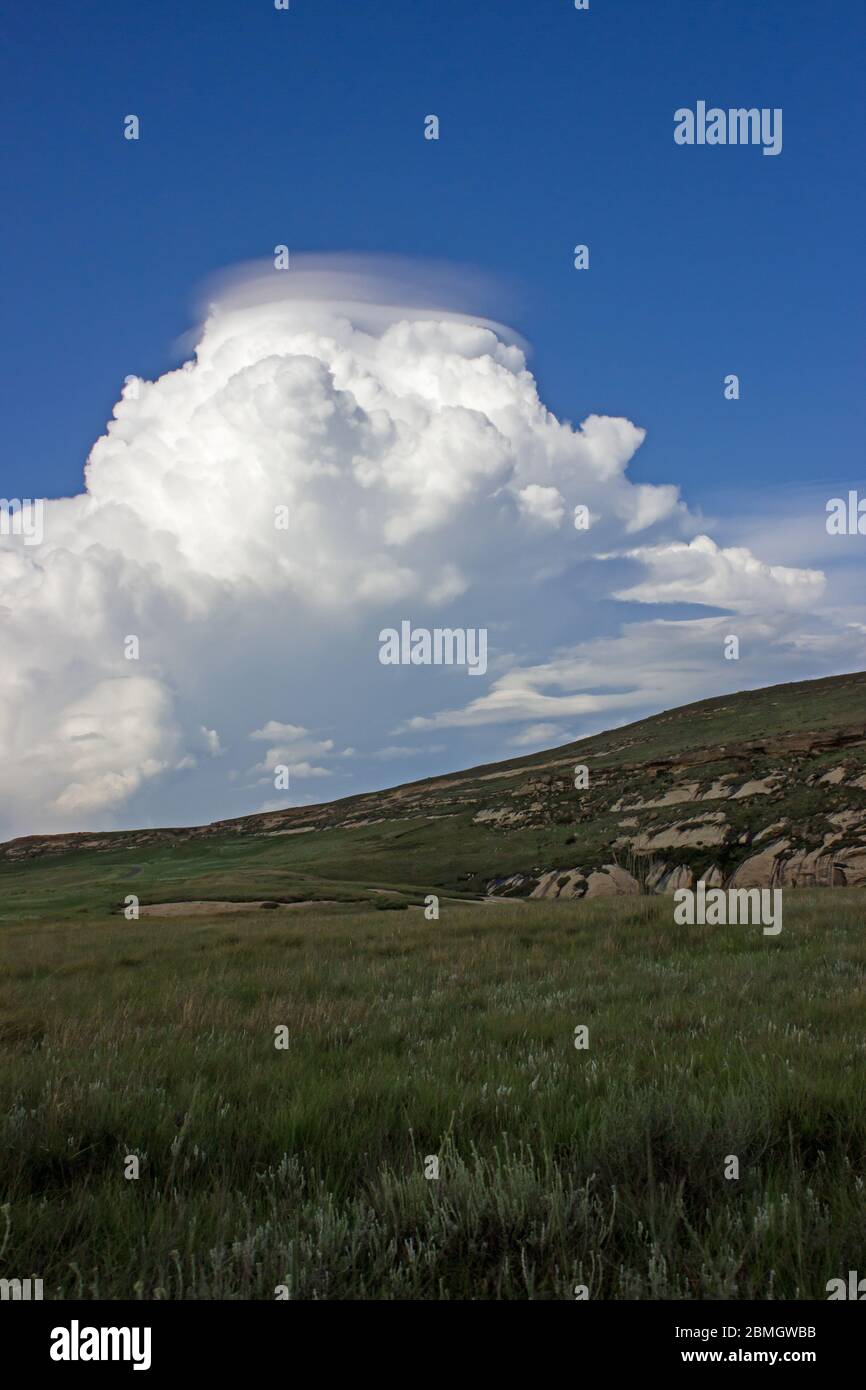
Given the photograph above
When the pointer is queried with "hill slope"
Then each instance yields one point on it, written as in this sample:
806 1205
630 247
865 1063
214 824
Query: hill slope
763 787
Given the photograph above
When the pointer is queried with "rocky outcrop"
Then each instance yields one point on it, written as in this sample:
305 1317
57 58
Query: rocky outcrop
794 815
762 786
852 863
611 881
819 868
514 886
711 829
719 789
688 791
561 883
608 881
774 867
833 777
666 879
773 829
759 870
808 870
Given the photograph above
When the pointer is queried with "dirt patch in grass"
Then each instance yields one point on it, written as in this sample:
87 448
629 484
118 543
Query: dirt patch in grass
202 907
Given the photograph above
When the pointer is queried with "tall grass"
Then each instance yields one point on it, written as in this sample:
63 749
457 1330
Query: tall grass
305 1167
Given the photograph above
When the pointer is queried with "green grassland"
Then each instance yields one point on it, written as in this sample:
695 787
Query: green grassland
304 1167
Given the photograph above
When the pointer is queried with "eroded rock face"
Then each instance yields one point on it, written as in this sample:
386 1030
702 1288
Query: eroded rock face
611 881
680 876
774 867
687 791
608 881
819 868
848 820
719 789
711 829
515 886
561 883
763 787
501 813
833 777
759 870
852 863
814 870
655 875
774 829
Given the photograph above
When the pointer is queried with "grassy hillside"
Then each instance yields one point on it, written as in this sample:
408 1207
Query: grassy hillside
694 787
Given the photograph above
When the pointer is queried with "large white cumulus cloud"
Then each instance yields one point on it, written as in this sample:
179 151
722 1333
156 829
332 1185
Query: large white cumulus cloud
420 472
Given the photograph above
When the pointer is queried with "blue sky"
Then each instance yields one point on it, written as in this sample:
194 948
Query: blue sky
305 127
